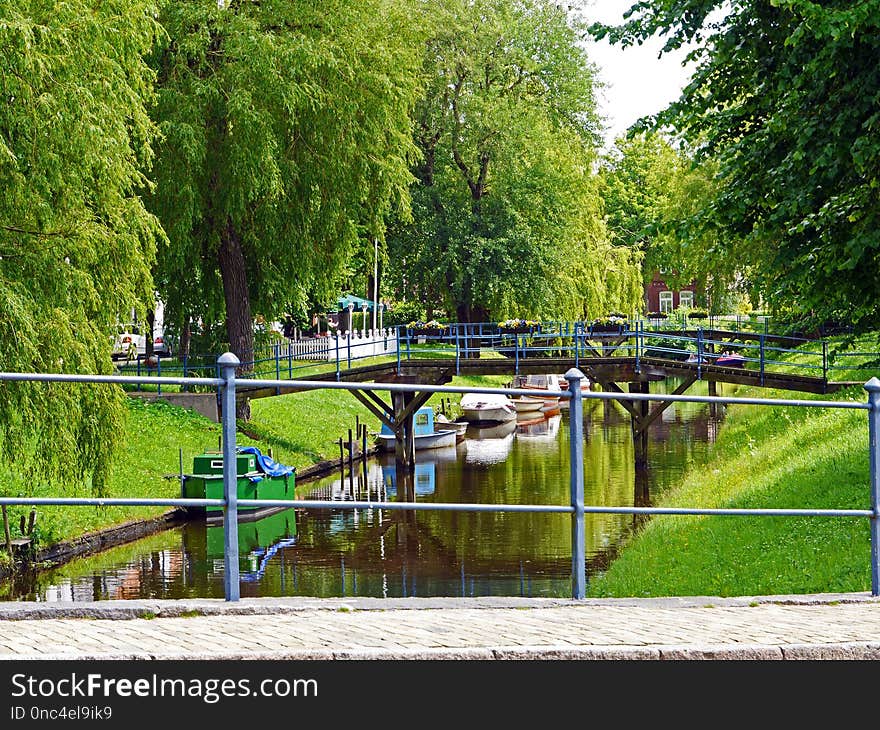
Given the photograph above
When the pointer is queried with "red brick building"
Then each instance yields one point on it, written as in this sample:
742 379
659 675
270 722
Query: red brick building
660 298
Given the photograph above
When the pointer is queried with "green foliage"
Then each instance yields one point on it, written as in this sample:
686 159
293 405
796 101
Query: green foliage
784 101
505 213
403 312
285 128
649 191
75 241
764 458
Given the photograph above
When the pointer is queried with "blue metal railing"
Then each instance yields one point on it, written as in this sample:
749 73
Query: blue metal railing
575 340
226 385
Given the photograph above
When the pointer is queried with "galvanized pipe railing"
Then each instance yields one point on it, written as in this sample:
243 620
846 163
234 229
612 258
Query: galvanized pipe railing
226 385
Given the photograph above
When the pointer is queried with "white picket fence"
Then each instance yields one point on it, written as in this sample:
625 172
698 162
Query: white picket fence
355 344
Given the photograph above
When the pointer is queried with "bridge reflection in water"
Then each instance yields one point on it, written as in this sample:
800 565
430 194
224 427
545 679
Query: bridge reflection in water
405 553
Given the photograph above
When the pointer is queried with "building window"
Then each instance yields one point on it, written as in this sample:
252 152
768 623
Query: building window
666 301
686 299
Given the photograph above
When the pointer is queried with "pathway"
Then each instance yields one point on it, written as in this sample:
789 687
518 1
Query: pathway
828 626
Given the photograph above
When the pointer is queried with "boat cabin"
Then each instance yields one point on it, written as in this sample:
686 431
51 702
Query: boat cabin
423 422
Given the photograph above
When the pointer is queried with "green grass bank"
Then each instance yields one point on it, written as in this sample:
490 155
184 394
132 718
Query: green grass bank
300 429
765 457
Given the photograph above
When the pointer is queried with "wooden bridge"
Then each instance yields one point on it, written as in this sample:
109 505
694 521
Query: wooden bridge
612 360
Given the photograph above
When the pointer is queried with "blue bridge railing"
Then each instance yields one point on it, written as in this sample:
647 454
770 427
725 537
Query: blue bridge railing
762 352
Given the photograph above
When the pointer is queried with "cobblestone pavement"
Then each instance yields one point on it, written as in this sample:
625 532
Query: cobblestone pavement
840 626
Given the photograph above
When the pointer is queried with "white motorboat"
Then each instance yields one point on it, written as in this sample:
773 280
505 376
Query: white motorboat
424 434
527 405
479 407
458 426
540 382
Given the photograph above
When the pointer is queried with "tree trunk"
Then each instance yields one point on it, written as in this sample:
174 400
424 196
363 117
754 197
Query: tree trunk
467 312
185 337
239 323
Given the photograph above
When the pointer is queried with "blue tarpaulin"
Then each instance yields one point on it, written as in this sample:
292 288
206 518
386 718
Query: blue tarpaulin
266 463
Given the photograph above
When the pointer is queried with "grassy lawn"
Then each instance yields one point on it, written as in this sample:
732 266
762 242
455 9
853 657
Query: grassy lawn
765 457
300 429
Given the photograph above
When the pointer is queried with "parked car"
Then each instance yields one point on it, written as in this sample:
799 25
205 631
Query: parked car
128 343
160 345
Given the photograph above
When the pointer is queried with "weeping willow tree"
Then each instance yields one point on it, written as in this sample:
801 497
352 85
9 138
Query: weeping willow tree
285 136
506 217
76 243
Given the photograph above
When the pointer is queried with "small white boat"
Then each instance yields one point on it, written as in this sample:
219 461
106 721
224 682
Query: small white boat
563 386
476 407
540 382
425 436
458 426
525 404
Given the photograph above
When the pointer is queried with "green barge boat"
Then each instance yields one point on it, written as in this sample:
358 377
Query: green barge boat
258 477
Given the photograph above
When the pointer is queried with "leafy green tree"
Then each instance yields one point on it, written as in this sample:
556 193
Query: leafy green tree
505 207
76 243
286 136
785 100
651 193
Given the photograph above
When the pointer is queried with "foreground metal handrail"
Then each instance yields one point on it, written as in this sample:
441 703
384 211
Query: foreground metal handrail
226 384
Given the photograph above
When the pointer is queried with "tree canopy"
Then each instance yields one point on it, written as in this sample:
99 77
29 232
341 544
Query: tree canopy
76 243
506 216
285 136
651 192
785 100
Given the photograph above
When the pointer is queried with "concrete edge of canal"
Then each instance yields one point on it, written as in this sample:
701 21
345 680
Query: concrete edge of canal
132 609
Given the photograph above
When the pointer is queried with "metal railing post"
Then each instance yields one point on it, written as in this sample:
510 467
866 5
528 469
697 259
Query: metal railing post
825 360
277 366
761 340
397 338
457 351
638 348
227 364
699 353
873 388
577 345
516 350
158 374
576 456
336 337
348 351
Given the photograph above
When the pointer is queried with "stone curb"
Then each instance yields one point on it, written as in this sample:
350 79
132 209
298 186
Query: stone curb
125 609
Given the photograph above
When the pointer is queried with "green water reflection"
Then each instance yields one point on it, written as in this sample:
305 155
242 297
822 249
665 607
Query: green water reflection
395 553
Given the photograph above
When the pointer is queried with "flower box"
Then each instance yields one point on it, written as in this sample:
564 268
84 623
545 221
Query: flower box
515 330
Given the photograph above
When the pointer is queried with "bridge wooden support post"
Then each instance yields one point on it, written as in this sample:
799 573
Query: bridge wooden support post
713 388
404 440
639 417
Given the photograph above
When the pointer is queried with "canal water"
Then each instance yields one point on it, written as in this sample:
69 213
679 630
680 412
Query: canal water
392 553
